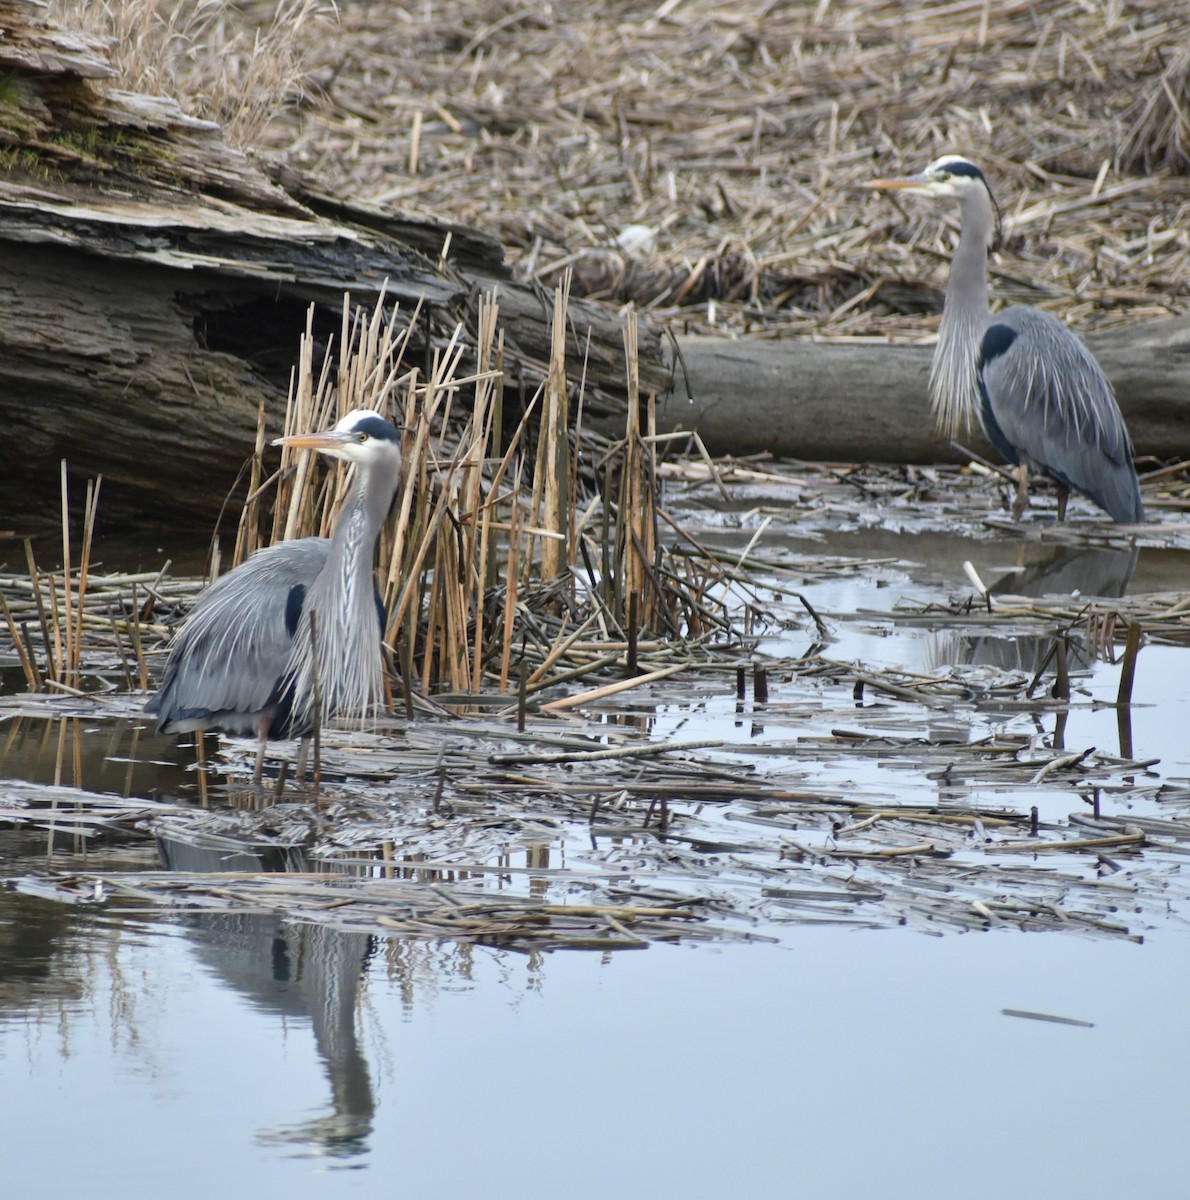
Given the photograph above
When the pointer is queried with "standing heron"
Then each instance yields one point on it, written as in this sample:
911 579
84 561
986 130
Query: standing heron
1042 399
295 622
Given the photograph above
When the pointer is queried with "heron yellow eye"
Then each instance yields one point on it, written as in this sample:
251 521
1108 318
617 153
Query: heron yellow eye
362 437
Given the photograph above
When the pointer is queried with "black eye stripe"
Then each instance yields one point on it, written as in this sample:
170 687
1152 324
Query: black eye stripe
970 170
375 427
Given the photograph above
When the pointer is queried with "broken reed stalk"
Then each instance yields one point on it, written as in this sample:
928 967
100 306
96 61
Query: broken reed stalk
478 547
90 509
553 446
248 533
636 532
511 590
35 580
32 679
64 660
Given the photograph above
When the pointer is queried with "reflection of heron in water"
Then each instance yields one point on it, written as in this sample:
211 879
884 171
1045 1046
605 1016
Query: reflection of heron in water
1072 570
294 970
1083 571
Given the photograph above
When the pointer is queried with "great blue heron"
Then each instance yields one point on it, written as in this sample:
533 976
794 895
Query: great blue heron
1041 398
244 661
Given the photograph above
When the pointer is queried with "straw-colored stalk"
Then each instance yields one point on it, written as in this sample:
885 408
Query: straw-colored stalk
553 446
637 523
68 618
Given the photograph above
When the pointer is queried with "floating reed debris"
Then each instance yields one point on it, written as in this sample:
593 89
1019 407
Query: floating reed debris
433 805
405 908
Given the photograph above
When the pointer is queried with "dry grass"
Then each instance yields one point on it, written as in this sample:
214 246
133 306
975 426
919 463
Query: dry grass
1158 134
211 55
492 572
702 159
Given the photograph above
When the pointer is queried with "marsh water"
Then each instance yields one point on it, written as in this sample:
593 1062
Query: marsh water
241 1053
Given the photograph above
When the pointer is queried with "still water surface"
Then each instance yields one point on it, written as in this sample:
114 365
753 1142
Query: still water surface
155 1057
240 1055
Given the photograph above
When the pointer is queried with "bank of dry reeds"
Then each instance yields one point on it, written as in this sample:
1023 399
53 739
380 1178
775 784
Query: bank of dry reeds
520 547
702 159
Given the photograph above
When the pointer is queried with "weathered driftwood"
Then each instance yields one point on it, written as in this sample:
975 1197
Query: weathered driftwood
868 402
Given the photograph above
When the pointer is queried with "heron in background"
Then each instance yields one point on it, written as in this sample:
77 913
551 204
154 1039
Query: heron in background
1041 398
296 620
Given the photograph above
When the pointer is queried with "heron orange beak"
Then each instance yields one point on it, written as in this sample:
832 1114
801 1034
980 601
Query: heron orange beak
329 439
911 183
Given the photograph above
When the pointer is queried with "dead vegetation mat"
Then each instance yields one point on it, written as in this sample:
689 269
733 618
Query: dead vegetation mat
830 792
701 160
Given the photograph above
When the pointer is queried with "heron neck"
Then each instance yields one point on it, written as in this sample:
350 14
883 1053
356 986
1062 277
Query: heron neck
967 288
954 376
347 669
359 522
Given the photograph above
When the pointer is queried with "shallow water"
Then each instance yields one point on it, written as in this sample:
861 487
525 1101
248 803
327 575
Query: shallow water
245 1054
285 1061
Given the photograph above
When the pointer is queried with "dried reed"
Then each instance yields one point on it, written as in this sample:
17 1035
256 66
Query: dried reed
216 58
62 624
481 557
699 160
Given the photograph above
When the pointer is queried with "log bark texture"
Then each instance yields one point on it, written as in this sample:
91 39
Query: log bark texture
154 283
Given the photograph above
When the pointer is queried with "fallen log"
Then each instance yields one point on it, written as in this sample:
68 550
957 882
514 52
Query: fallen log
865 402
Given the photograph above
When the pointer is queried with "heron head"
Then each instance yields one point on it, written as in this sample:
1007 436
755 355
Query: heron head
362 437
951 175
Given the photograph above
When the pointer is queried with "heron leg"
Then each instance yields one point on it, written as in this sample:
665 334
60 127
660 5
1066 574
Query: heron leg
1063 496
262 732
1022 492
303 756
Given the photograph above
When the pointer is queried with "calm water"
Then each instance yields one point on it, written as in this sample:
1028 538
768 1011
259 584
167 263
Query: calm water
237 1055
261 1061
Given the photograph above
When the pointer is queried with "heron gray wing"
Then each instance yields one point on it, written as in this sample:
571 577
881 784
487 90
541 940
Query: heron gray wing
234 646
1052 403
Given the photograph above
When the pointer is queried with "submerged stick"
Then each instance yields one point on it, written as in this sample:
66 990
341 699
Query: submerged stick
1128 670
